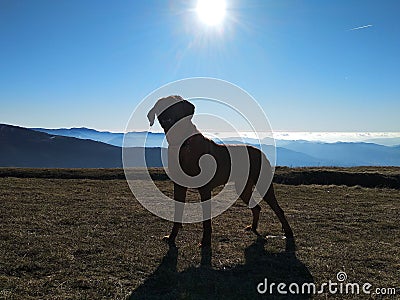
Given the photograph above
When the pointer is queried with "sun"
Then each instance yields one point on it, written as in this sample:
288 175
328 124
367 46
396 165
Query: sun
211 12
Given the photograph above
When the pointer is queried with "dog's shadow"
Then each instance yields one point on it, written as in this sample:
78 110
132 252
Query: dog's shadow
240 282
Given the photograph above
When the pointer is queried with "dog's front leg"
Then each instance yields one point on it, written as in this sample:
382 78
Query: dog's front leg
205 194
180 196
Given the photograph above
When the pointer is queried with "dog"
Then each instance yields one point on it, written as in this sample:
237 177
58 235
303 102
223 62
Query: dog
186 145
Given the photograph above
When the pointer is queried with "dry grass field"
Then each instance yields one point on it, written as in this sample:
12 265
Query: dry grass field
76 238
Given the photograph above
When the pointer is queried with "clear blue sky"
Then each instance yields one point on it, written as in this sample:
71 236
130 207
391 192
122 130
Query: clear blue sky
87 63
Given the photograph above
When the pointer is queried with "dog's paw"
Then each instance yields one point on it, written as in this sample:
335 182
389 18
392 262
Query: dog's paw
205 244
289 233
250 228
168 240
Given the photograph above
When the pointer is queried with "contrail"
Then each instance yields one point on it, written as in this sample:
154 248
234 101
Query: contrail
361 27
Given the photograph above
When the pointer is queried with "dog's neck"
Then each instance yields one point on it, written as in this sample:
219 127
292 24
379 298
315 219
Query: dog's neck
178 135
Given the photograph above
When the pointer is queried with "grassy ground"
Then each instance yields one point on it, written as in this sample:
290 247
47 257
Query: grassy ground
372 177
90 239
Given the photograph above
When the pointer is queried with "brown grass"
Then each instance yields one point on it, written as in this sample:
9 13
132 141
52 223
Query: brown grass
90 239
385 177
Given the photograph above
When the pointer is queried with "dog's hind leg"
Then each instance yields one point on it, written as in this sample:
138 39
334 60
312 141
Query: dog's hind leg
205 194
246 196
273 203
179 196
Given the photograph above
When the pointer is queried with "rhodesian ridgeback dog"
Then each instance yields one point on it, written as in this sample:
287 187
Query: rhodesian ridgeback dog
188 145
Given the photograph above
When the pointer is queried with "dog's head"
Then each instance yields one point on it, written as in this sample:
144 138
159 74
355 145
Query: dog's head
170 110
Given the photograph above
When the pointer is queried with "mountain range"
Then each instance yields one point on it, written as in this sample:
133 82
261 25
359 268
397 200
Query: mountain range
23 147
89 148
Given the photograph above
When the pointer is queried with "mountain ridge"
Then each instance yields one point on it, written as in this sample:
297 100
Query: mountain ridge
23 147
78 147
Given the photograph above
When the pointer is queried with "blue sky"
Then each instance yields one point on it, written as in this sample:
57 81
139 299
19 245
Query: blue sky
89 63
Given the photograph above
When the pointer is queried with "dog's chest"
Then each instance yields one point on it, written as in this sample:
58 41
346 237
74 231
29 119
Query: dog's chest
189 159
187 156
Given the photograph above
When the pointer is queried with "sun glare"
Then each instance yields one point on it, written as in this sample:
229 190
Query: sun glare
211 12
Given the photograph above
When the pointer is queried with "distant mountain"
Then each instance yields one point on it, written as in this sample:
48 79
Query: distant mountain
393 141
290 158
85 133
287 157
289 153
21 147
348 154
134 139
144 139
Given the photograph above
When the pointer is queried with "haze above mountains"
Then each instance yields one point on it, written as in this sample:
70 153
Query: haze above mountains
89 148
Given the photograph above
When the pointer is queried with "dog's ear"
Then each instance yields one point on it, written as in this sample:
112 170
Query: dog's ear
152 115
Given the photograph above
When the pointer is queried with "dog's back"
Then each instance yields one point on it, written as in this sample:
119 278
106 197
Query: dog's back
234 162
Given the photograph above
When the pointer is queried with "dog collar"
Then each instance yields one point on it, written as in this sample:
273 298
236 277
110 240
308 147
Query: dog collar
186 144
